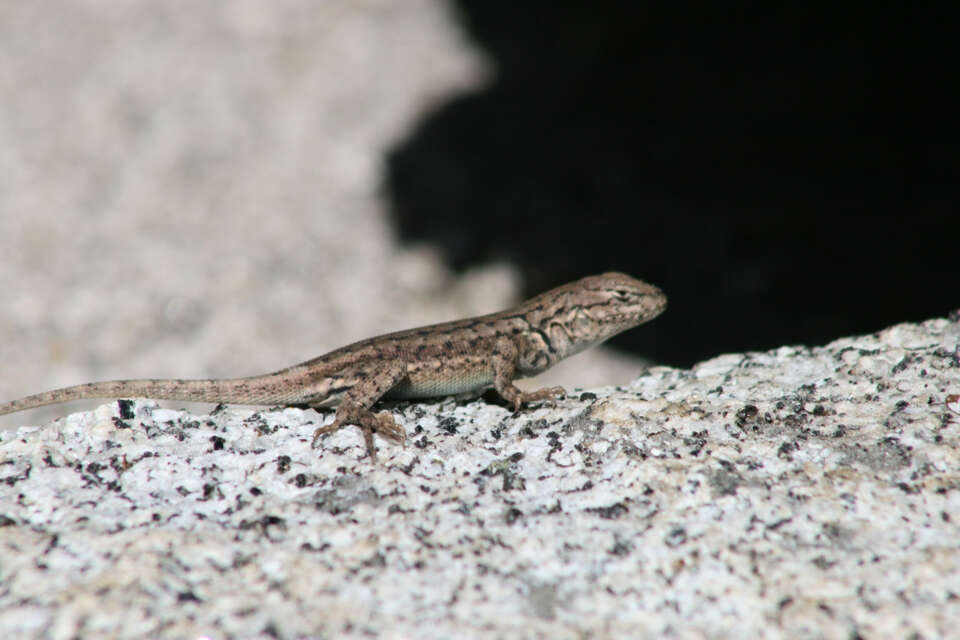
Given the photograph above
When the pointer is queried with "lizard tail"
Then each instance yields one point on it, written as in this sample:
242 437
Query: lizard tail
263 390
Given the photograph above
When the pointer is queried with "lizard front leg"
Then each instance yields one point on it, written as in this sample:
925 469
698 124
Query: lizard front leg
355 407
504 361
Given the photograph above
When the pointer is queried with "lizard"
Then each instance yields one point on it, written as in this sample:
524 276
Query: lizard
450 358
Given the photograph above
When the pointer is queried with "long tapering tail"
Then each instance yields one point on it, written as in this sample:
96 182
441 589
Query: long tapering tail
264 390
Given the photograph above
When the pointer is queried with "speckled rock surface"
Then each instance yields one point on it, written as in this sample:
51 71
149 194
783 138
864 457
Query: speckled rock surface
796 493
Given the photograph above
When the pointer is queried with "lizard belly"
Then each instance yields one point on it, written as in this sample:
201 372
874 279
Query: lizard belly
431 384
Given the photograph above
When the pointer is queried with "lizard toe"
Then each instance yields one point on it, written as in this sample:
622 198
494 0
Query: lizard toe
387 427
329 428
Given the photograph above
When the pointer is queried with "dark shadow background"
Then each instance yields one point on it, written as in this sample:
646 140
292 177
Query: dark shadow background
785 173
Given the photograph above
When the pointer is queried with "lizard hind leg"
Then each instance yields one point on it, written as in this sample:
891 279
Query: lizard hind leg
356 403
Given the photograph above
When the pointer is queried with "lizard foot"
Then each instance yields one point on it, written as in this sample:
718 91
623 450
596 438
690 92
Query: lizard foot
381 423
547 393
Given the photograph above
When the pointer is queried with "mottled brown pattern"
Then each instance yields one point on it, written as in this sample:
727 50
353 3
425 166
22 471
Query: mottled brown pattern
436 360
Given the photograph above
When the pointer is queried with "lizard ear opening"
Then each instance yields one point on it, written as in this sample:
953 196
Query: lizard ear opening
583 321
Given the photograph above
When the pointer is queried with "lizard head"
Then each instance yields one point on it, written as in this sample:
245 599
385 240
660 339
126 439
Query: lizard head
578 315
